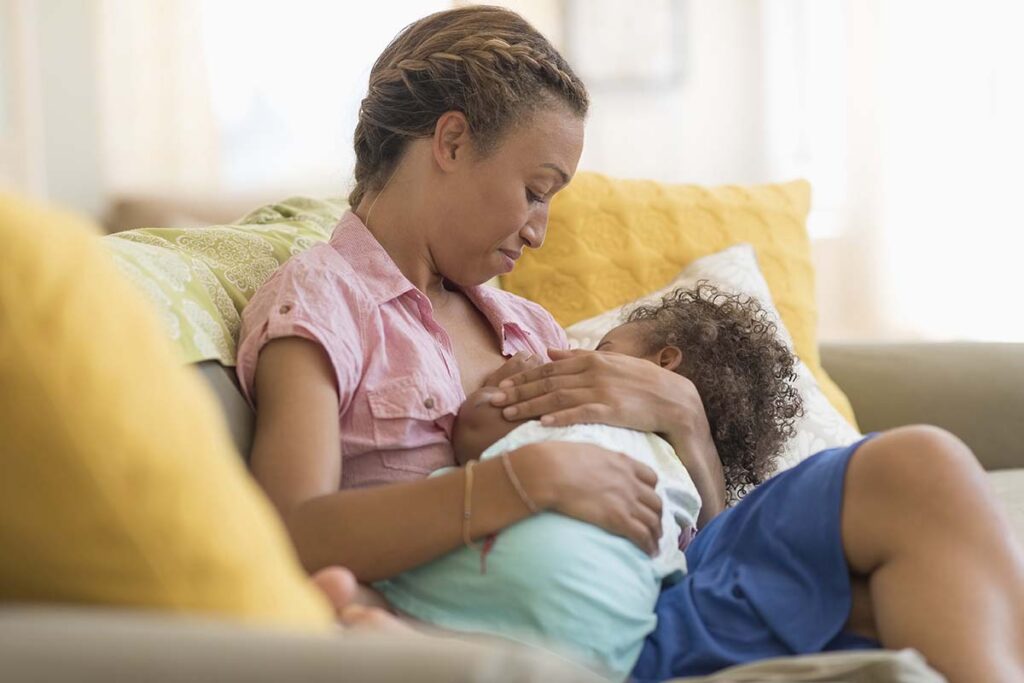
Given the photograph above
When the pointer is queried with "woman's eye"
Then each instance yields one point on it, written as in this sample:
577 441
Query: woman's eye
531 196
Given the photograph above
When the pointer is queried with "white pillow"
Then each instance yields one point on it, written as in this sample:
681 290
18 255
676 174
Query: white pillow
735 270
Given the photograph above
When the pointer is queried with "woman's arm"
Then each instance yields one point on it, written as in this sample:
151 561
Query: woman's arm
616 389
381 531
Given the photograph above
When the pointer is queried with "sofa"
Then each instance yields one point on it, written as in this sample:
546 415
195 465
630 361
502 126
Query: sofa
972 389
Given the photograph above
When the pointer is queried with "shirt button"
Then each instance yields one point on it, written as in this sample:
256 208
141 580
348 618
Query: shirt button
428 403
284 309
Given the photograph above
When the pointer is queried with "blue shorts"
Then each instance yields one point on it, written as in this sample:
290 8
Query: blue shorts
767 578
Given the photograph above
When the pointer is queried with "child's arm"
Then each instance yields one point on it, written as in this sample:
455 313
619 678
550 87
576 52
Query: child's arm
478 425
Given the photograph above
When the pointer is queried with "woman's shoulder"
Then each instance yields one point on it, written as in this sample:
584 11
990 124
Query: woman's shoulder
315 294
318 274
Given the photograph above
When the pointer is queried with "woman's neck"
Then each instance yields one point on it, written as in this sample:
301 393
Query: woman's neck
403 237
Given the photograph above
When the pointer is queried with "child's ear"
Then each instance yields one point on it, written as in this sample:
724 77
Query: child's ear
670 358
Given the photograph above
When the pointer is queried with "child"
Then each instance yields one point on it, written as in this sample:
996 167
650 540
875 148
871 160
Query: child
552 580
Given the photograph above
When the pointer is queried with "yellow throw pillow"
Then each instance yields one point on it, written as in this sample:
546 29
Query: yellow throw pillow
611 241
118 481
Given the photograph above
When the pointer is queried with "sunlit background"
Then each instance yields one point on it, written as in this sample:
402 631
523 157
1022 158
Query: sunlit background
905 115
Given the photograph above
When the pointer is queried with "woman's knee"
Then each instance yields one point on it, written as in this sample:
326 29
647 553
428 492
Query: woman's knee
903 484
912 458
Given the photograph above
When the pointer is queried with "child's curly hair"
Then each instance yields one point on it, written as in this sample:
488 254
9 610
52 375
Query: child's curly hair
742 371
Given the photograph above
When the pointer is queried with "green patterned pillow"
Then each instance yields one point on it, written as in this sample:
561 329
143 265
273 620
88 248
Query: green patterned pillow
201 278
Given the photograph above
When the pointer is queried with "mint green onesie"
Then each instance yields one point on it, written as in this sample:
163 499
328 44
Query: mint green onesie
556 582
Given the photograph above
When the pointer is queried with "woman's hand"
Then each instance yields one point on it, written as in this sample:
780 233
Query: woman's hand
616 389
593 485
520 362
591 386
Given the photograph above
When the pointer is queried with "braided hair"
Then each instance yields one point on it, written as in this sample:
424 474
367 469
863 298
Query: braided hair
486 62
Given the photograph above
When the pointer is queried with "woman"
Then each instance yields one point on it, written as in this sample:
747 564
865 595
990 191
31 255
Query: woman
357 354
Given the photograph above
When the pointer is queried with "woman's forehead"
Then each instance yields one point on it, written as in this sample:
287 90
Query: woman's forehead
550 140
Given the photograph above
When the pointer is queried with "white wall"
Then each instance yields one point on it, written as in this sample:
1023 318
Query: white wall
707 128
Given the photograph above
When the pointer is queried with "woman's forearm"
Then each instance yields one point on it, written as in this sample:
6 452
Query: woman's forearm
382 531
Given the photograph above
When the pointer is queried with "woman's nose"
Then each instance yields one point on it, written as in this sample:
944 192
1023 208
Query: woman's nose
535 229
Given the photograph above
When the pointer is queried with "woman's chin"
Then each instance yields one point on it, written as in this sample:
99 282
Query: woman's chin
472 279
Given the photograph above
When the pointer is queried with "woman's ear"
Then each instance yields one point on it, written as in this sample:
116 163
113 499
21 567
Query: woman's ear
670 358
451 139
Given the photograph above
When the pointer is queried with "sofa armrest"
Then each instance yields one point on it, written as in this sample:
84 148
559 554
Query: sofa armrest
239 416
975 390
95 644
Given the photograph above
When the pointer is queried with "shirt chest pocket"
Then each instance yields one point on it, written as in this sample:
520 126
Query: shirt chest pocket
407 414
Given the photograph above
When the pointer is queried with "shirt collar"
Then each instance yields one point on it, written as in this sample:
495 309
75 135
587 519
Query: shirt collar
378 272
384 281
495 308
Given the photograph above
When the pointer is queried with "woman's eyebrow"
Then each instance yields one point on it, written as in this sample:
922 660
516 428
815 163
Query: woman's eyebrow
565 176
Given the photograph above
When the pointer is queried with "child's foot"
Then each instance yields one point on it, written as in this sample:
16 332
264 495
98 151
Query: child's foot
339 585
357 606
362 618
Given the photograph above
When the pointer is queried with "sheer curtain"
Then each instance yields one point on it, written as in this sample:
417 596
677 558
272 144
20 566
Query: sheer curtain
240 97
159 133
905 114
21 153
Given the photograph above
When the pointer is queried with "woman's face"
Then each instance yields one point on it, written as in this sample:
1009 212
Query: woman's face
499 204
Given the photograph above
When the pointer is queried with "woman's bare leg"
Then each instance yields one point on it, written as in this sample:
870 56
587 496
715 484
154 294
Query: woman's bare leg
945 574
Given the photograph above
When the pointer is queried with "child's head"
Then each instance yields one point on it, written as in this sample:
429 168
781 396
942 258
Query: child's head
727 345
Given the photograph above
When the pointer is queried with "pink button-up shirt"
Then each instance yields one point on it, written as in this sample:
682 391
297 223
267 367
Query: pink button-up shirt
397 376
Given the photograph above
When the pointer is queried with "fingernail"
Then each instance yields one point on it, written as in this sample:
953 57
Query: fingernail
546 420
511 411
498 397
506 383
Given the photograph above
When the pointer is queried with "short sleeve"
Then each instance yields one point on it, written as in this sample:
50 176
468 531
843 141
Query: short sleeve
307 300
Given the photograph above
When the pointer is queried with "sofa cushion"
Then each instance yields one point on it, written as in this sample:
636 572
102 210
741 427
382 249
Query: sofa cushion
610 241
119 483
200 279
1009 489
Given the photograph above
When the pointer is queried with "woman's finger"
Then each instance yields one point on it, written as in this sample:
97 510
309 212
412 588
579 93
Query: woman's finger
640 534
521 361
645 474
651 500
588 413
559 354
651 521
554 402
545 385
568 366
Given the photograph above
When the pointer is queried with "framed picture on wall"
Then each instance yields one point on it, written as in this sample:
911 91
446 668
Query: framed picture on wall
625 45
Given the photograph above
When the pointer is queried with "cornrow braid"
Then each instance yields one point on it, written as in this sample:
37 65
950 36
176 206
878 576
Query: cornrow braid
486 62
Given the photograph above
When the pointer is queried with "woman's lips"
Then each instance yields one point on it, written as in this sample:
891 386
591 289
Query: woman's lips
510 258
